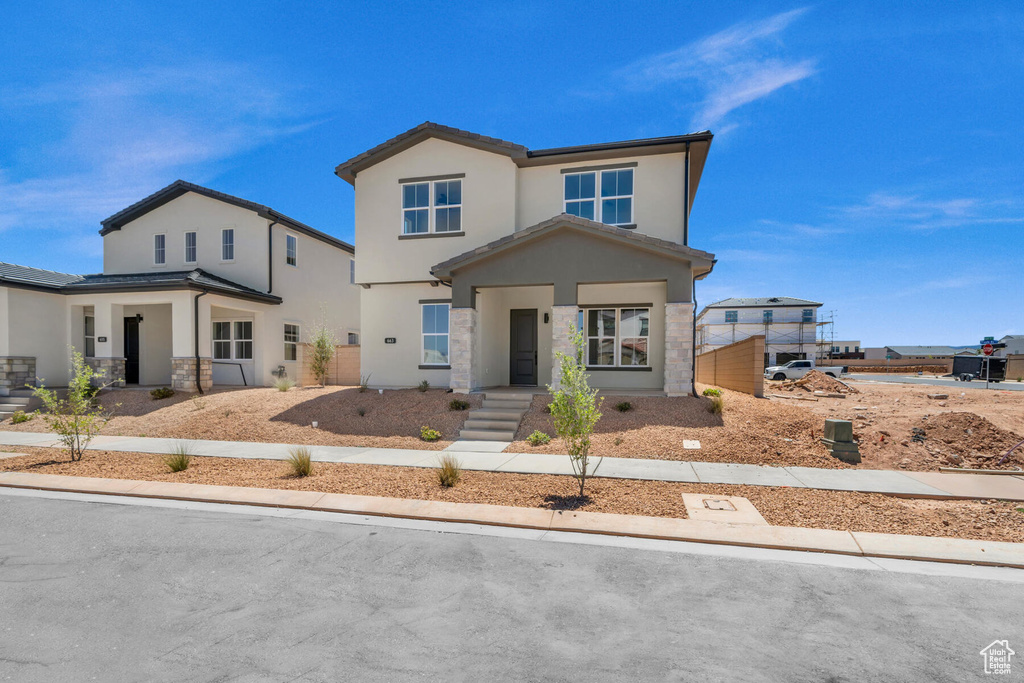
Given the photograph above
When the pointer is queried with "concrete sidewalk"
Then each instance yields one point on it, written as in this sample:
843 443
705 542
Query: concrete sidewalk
911 484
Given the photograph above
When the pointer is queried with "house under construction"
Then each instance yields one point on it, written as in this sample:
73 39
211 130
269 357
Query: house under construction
789 326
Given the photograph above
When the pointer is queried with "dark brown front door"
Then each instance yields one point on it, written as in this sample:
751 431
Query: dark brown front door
523 347
131 350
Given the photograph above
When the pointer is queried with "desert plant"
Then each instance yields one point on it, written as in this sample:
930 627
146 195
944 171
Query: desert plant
20 416
624 407
538 438
284 384
198 402
180 457
1020 379
457 404
364 383
161 393
716 406
322 342
711 391
300 459
75 418
449 470
361 411
428 434
424 385
575 407
618 441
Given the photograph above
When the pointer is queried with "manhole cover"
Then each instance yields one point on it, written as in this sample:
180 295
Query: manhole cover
716 504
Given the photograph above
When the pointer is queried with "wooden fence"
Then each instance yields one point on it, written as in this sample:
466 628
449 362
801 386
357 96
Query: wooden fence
344 369
738 366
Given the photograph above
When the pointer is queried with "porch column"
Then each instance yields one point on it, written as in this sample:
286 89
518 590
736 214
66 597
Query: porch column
109 322
462 332
678 349
183 355
563 322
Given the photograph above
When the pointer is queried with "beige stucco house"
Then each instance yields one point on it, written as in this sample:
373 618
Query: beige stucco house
478 255
199 288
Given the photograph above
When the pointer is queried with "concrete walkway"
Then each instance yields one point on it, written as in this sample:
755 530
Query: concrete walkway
916 484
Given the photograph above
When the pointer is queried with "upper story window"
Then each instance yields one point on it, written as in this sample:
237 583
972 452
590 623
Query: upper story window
190 247
291 250
353 338
159 249
432 207
808 315
227 244
616 200
732 316
766 316
351 271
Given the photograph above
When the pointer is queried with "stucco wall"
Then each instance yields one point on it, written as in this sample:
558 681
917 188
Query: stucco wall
495 306
394 311
155 342
37 326
632 293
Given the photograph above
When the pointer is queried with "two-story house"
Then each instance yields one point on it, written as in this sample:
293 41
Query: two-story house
199 288
478 256
789 326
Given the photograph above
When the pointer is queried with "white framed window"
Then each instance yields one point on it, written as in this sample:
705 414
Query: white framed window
435 334
432 207
227 244
616 199
190 247
90 335
159 249
353 338
291 250
291 342
618 337
732 316
232 340
351 271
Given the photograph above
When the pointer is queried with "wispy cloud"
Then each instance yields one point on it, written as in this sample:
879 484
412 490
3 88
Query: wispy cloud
733 67
912 211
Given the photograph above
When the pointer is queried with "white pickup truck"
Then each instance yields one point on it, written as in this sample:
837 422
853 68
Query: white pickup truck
795 369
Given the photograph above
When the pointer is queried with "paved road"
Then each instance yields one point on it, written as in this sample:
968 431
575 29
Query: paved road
1011 385
162 591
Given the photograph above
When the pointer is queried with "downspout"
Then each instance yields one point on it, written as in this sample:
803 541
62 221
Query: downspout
686 197
195 327
270 256
693 346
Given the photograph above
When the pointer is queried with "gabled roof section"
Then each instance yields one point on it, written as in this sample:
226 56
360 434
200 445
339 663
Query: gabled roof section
180 187
11 273
762 302
627 237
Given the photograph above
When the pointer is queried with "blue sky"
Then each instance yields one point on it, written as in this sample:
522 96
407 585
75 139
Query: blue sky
866 155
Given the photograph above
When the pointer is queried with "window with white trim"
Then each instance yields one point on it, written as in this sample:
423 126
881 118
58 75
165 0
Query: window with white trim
432 207
732 316
351 271
618 337
159 249
90 335
227 244
435 334
616 205
232 340
291 341
291 250
190 247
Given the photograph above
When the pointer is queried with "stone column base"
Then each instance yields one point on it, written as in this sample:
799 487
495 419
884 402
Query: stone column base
563 324
679 349
112 369
462 325
183 374
16 372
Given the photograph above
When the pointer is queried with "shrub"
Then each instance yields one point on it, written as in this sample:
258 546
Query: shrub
76 418
449 471
20 416
717 405
161 393
618 441
624 407
424 385
547 409
322 343
457 404
1020 379
575 407
284 384
538 438
300 459
711 391
361 410
428 434
364 383
180 457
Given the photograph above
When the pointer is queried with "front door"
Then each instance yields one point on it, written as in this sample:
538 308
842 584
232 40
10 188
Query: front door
131 350
523 347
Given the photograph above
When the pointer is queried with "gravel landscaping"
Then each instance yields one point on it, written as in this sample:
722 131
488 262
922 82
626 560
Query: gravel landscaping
992 520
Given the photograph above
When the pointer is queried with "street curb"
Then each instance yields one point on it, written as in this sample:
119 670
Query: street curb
857 543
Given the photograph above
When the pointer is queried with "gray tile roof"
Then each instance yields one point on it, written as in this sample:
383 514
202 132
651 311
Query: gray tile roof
13 273
566 219
762 302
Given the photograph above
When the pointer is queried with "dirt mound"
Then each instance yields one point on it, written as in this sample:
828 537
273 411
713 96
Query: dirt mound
968 440
815 380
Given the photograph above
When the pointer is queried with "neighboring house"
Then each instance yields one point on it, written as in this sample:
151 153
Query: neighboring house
1014 345
478 255
789 326
190 276
922 352
836 349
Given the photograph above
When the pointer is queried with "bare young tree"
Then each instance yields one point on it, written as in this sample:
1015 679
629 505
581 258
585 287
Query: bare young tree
575 408
322 346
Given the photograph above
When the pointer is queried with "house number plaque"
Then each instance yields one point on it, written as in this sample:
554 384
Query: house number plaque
389 340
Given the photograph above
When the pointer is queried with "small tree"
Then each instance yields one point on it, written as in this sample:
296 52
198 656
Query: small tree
76 418
322 343
575 407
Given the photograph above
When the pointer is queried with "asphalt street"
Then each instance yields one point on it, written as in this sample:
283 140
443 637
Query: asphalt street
1008 385
162 591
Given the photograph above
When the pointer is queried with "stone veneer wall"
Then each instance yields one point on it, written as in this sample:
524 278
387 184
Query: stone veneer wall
112 369
16 372
678 349
462 330
183 373
563 323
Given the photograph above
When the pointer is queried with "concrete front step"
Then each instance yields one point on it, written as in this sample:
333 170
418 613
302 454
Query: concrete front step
495 414
509 405
15 400
487 435
474 423
506 396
